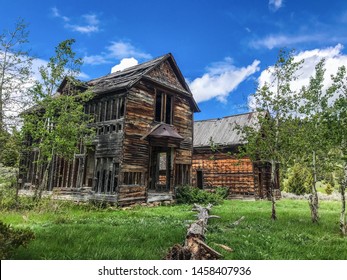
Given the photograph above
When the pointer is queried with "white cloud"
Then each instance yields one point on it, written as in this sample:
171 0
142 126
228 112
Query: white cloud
220 80
89 22
85 29
125 63
57 14
274 5
275 41
334 58
116 51
96 59
122 49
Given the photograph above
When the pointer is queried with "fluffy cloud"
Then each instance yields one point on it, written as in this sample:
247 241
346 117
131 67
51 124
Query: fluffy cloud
116 51
125 63
89 22
220 80
274 5
122 49
334 58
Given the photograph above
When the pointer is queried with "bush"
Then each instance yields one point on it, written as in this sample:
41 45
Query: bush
223 192
11 239
190 195
329 189
299 180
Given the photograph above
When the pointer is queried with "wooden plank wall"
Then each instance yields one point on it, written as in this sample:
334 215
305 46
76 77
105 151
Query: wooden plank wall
138 118
223 170
183 122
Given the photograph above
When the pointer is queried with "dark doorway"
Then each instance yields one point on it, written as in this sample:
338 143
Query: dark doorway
160 170
200 179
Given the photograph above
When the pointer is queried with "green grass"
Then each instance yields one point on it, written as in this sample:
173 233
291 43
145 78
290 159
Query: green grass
73 232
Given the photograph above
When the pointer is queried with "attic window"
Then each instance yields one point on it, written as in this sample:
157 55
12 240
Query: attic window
163 107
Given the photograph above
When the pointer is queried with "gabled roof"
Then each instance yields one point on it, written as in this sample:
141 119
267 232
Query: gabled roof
124 79
222 131
130 76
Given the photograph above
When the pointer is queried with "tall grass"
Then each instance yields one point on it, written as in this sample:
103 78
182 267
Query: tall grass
74 232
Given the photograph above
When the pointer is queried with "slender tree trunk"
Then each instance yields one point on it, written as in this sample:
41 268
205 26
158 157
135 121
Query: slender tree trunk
2 78
343 226
313 199
44 183
2 127
272 188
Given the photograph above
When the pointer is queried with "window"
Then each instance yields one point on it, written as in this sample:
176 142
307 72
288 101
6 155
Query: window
163 107
106 175
132 178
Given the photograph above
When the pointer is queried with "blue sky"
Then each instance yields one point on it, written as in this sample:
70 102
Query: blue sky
222 47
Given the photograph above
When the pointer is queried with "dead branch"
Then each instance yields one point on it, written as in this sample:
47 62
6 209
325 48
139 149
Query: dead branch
194 247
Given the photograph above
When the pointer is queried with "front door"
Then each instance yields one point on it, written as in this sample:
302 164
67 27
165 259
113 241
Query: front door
160 170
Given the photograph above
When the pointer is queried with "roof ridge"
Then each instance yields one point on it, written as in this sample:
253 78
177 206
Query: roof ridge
225 117
131 68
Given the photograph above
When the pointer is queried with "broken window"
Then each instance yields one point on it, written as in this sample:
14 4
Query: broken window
163 107
132 178
106 175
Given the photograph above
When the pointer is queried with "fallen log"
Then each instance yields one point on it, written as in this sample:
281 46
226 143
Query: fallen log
194 247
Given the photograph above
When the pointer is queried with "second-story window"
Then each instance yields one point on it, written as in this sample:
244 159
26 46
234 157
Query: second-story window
163 107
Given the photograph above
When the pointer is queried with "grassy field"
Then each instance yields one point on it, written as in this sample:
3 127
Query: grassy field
75 232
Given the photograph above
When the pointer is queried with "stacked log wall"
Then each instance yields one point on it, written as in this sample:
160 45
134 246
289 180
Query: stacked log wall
138 119
183 122
225 171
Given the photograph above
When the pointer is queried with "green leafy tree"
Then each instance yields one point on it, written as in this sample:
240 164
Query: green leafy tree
57 123
338 134
10 152
299 179
15 73
269 140
313 142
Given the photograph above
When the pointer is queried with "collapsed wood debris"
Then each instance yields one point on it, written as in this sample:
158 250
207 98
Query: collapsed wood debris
194 247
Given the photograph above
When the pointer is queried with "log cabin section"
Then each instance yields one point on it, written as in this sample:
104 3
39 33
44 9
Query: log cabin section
219 166
143 118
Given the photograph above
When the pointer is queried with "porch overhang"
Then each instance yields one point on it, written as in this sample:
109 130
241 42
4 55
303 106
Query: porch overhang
163 135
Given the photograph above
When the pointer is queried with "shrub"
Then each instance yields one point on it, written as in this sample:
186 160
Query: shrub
11 239
329 189
189 195
223 192
7 197
299 180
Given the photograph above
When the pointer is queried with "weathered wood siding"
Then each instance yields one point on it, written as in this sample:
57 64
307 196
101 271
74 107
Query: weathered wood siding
138 119
121 162
242 176
165 75
223 170
183 122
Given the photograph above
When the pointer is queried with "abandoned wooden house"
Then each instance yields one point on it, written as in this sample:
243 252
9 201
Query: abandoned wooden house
143 147
215 141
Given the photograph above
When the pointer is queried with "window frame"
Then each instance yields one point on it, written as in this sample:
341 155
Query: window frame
160 113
